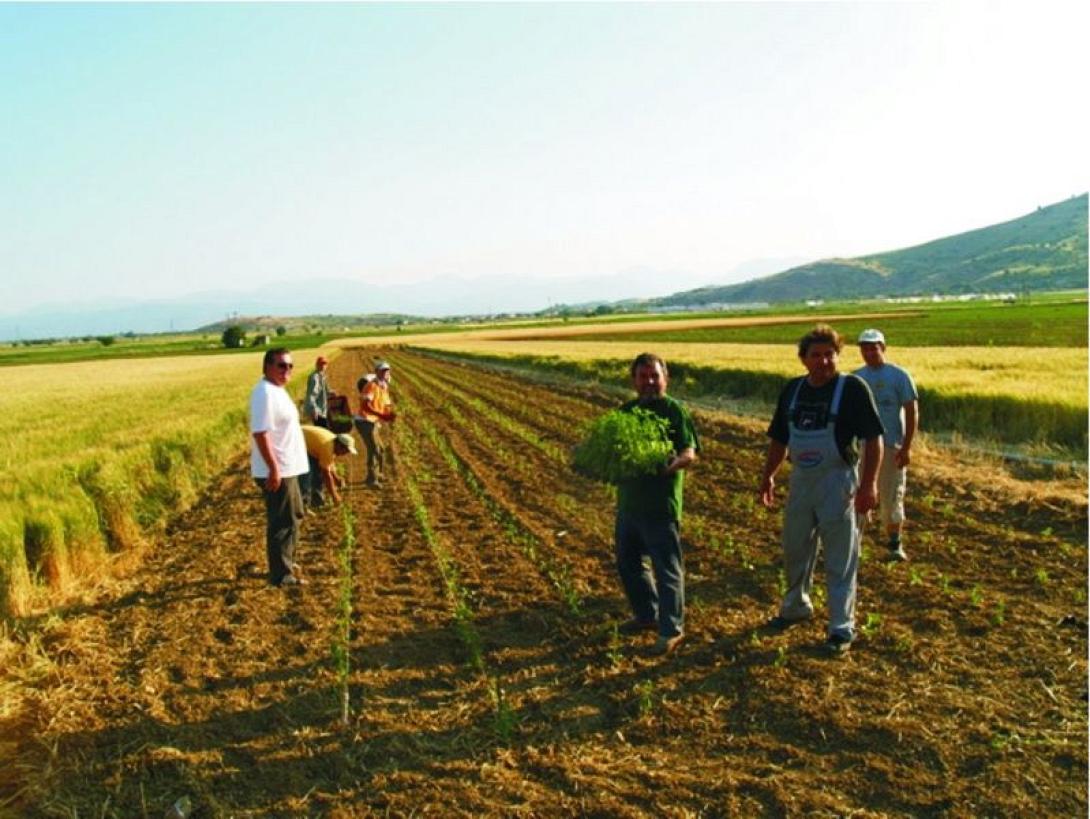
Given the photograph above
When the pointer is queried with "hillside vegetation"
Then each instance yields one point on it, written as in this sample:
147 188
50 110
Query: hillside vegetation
1046 250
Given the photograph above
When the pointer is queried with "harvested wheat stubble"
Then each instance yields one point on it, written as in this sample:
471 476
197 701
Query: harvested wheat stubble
964 697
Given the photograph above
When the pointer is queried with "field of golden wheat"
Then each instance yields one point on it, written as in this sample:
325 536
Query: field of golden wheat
1057 373
101 450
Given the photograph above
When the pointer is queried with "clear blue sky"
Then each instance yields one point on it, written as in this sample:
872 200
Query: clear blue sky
158 150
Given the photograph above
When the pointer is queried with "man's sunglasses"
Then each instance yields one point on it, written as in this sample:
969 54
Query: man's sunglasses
284 365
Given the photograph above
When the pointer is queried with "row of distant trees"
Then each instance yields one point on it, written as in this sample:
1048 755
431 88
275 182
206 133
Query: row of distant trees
105 341
235 336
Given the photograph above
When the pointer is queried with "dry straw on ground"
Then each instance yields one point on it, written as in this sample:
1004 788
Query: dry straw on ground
964 696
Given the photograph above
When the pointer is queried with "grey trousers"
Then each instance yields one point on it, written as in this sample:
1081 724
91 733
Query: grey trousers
376 452
283 513
822 510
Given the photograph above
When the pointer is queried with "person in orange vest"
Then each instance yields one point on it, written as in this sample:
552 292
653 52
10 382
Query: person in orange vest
375 409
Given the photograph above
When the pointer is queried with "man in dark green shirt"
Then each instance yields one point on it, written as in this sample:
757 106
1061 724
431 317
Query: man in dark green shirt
649 517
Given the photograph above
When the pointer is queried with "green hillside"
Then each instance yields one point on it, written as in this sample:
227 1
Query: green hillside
1046 250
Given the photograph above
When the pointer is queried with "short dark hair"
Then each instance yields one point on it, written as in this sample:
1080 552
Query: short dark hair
647 360
271 356
821 334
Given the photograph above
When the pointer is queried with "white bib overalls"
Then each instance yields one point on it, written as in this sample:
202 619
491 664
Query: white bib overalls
820 504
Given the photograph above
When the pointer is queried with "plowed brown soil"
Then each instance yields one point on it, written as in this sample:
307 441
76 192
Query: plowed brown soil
965 694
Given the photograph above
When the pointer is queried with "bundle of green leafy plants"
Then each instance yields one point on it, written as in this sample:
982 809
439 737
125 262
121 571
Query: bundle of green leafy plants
620 445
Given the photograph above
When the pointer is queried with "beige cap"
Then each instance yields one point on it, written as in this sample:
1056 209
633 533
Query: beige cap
872 336
346 440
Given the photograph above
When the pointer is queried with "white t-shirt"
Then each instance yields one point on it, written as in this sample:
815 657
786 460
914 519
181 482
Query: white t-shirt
893 388
273 411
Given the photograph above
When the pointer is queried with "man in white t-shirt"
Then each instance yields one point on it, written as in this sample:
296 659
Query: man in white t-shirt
899 408
278 456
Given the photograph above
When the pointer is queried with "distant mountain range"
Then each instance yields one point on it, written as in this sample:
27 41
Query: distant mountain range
1046 250
325 302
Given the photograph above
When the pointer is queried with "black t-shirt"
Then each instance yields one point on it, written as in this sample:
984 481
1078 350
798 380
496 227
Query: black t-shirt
857 419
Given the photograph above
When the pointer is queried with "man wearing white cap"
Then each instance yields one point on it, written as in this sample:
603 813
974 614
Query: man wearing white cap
316 400
375 408
898 406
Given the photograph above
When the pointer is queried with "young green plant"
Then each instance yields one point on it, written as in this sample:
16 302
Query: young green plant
621 445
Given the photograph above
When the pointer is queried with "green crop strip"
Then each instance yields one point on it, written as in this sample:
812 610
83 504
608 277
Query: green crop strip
342 635
505 718
698 526
502 420
1047 415
557 574
448 568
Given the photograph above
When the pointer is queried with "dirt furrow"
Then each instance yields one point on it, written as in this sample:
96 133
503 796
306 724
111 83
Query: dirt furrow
514 473
965 694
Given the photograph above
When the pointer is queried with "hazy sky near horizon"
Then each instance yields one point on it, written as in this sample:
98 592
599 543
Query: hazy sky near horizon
151 151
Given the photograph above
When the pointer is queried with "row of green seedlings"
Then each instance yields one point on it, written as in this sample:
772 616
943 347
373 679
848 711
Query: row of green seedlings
558 575
522 432
726 546
342 628
505 720
589 515
556 420
1013 419
503 419
740 502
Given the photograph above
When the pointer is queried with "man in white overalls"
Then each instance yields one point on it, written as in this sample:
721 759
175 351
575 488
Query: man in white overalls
819 419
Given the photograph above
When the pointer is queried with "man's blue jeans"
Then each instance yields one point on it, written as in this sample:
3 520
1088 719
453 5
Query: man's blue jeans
656 593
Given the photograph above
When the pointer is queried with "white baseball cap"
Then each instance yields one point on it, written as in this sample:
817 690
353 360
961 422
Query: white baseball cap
347 442
872 336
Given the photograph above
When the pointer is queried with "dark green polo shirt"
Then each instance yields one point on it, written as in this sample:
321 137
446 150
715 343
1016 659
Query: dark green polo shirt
657 497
